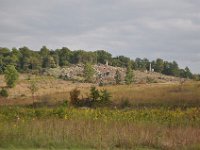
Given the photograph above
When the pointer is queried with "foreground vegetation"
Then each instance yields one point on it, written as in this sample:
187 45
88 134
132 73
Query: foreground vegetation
135 116
99 128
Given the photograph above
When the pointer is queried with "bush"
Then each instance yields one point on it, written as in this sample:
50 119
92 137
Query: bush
94 93
11 76
125 103
65 103
150 80
97 98
4 92
74 94
89 72
105 96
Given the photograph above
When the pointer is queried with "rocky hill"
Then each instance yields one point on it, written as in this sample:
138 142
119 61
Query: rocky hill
106 74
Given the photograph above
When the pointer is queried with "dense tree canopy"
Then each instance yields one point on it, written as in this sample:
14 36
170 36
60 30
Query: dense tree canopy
25 59
11 75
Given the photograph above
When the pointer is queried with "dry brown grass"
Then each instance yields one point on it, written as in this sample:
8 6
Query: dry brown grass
98 135
49 88
56 90
157 93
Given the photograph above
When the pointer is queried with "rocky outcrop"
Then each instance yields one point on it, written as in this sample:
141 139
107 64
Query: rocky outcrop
106 74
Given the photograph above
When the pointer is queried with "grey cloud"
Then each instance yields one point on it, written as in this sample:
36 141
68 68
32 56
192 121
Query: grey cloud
135 28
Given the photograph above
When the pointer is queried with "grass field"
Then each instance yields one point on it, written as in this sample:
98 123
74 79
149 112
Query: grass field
99 128
142 116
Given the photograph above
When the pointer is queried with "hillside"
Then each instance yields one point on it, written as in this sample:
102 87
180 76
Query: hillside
26 60
106 73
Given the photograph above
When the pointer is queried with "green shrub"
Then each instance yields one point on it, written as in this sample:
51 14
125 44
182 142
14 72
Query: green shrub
105 97
94 93
65 103
11 76
4 92
88 72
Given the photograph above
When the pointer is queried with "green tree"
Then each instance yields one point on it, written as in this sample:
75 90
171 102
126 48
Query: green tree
94 93
120 61
105 96
33 88
129 75
188 73
65 56
45 54
88 72
24 58
159 65
117 77
11 76
141 64
103 56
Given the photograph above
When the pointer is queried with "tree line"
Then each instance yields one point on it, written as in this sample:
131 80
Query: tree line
25 59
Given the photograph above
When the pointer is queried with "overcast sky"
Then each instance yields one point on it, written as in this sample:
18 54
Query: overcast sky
169 29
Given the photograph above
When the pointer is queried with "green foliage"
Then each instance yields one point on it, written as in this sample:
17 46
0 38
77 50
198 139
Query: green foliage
25 59
74 96
120 61
11 76
141 64
103 56
65 103
4 92
88 72
33 88
61 128
171 68
129 75
99 98
96 99
105 96
159 65
94 93
117 77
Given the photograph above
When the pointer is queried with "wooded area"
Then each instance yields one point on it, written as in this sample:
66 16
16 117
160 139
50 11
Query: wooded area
25 59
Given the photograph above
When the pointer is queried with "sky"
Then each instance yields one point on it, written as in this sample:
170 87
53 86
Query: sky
167 29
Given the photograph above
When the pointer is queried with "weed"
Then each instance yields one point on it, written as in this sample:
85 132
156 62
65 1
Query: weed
4 92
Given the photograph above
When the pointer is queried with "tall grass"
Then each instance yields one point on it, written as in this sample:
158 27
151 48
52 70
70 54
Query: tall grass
157 95
99 128
96 134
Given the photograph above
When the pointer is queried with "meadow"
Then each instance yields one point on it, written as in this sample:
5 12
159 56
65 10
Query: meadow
61 128
142 116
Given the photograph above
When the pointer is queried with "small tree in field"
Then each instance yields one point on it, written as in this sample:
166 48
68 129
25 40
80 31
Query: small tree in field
74 94
105 96
33 88
94 93
11 76
117 77
88 72
129 75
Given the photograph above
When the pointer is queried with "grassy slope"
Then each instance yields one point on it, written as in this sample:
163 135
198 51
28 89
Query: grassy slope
170 119
100 128
54 90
